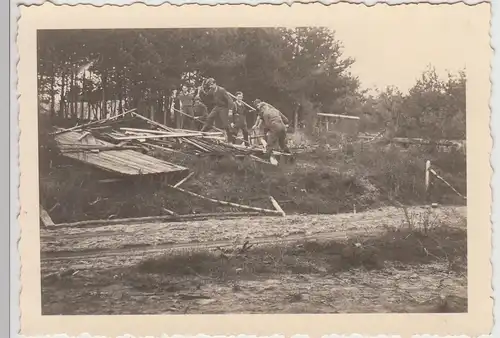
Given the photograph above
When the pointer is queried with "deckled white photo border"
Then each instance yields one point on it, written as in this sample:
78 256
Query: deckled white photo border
246 327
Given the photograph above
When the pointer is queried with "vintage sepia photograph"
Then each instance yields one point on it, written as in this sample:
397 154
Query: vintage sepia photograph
245 170
297 167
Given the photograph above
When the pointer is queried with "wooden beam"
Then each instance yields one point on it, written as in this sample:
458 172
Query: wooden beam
277 206
350 117
170 212
93 123
44 216
152 219
445 182
159 125
184 180
213 200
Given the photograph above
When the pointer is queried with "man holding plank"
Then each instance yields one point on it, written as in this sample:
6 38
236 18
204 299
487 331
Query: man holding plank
275 124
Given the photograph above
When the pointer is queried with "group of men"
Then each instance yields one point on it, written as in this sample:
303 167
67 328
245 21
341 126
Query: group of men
232 116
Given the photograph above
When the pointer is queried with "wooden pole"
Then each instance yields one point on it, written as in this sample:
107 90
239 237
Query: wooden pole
194 118
44 216
445 182
296 118
277 206
427 179
427 176
170 212
184 180
152 219
159 125
86 125
234 97
244 207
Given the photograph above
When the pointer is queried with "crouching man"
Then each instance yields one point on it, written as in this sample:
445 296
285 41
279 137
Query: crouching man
275 124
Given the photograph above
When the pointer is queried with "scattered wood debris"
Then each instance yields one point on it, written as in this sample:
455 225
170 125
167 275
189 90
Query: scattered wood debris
120 144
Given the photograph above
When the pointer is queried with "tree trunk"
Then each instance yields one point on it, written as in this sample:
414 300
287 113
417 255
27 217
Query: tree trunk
120 93
82 99
104 98
62 102
52 93
71 95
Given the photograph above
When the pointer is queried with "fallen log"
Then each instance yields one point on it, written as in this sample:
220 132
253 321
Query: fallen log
241 206
153 219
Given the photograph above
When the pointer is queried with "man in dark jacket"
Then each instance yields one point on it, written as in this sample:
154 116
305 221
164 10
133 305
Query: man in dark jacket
239 121
223 104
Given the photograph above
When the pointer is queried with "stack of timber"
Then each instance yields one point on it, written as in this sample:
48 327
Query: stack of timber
136 132
115 144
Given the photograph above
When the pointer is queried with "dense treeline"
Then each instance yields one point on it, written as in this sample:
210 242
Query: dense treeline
301 70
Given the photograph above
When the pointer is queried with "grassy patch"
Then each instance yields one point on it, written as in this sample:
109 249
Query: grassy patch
406 247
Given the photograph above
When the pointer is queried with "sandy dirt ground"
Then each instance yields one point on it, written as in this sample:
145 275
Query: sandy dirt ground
142 268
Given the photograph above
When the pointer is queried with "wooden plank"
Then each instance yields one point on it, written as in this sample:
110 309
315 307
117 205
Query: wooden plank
128 162
277 206
44 216
159 125
161 136
94 123
432 171
350 117
213 200
183 180
169 218
170 212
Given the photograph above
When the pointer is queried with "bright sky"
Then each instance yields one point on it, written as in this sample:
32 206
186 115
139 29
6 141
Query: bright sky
395 49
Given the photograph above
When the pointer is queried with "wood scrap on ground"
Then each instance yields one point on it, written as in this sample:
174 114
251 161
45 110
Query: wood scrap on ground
277 206
184 180
154 219
225 203
122 144
44 216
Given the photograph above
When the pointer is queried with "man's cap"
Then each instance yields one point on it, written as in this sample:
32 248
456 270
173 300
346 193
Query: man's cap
209 82
239 93
256 102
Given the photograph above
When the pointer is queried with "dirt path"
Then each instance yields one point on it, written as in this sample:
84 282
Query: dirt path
136 236
141 268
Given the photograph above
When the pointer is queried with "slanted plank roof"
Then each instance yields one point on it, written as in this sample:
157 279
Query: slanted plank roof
122 161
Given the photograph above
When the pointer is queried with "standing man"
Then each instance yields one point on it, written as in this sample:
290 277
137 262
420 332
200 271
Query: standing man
186 103
239 119
223 104
173 105
200 112
274 123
